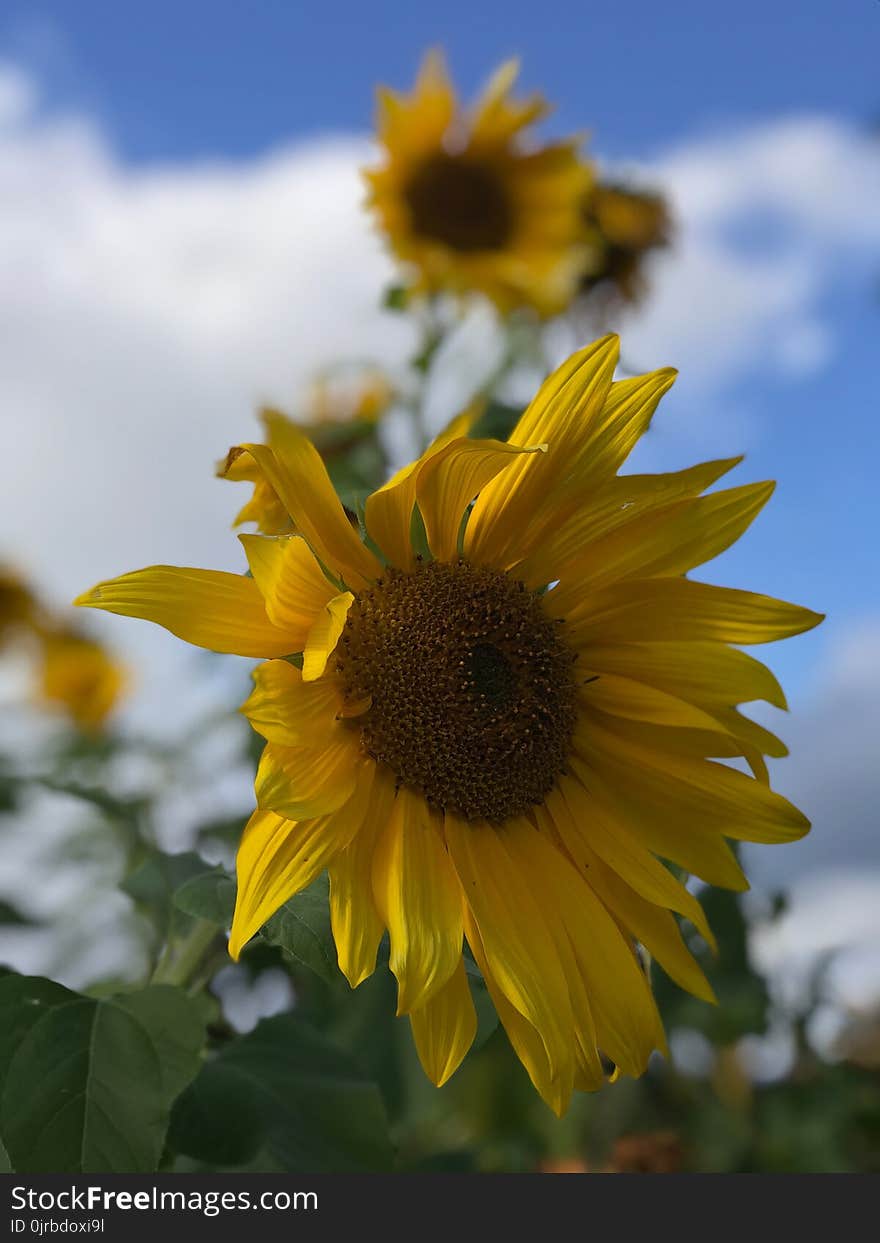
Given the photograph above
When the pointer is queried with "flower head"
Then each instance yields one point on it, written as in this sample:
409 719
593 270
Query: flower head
339 411
80 676
466 204
496 746
626 226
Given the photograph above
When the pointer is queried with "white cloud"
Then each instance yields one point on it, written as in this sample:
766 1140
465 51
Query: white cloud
765 216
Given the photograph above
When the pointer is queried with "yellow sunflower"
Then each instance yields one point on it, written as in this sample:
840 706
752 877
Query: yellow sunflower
497 746
338 412
627 225
81 677
468 205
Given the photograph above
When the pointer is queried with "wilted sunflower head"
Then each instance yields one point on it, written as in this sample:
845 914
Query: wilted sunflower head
467 205
626 225
495 745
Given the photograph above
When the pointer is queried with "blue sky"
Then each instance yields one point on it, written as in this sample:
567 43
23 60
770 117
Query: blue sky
216 77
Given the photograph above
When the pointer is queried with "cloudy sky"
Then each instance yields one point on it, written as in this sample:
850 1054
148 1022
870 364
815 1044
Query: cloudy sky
182 238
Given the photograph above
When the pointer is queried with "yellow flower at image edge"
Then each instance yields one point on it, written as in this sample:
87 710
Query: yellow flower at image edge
469 206
497 746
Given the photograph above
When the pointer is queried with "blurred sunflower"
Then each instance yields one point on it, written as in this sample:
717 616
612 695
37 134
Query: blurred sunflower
468 205
626 226
339 411
19 609
499 744
80 676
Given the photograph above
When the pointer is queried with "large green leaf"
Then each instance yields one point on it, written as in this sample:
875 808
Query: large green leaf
301 928
87 1084
209 895
284 1089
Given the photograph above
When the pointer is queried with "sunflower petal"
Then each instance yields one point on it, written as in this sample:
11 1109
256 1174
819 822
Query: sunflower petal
418 896
356 923
290 581
210 608
302 782
519 947
581 820
704 673
449 481
565 404
324 635
627 1024
287 710
444 1028
293 467
277 858
678 608
554 1085
670 540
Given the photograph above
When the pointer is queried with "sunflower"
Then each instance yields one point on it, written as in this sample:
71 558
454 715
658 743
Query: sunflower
497 745
468 205
80 676
339 412
627 225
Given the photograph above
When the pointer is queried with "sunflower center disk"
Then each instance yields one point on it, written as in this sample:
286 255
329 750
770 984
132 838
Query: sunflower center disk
461 203
471 687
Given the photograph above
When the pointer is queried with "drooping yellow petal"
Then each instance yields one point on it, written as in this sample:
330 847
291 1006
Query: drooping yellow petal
581 819
418 896
448 482
627 1024
324 635
653 926
291 581
287 710
294 468
356 923
703 853
302 782
222 612
677 609
278 857
555 1084
444 1028
519 947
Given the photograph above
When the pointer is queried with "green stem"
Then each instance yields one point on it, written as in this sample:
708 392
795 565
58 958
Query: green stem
177 965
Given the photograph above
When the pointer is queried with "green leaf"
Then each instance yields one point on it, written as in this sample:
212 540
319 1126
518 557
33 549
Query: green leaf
5 1163
153 885
301 928
211 896
285 1089
87 1084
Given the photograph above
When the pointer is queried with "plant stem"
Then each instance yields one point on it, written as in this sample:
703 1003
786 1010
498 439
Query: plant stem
177 965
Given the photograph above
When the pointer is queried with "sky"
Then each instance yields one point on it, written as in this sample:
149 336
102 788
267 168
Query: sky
183 238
